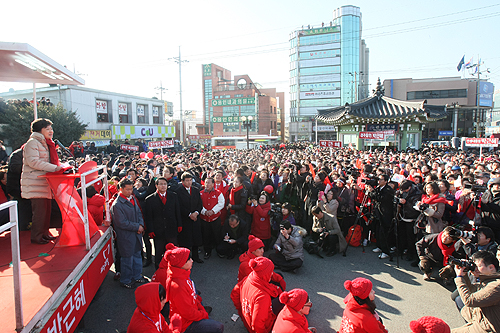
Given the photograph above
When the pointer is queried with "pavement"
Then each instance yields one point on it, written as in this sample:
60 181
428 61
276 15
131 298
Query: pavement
401 293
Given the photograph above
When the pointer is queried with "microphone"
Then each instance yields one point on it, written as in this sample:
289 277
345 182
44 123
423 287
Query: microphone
57 142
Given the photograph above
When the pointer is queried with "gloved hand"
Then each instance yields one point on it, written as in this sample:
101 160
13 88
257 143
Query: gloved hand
151 235
179 229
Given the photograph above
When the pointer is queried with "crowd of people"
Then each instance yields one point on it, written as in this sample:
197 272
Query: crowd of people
438 208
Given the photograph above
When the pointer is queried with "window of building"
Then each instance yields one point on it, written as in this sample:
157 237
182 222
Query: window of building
238 95
319 54
430 94
142 114
124 113
156 113
323 102
231 111
319 39
319 70
104 111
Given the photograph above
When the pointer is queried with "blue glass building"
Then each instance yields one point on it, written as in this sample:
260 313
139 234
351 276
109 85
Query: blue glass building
328 65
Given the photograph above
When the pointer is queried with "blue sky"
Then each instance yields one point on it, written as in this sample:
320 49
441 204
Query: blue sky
124 46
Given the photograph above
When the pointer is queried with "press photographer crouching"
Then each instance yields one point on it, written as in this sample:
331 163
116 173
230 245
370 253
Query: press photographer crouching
289 254
326 231
407 196
481 300
483 239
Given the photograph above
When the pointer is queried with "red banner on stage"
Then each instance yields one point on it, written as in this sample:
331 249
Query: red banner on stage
71 206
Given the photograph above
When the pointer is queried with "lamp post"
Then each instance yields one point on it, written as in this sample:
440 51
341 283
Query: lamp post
247 123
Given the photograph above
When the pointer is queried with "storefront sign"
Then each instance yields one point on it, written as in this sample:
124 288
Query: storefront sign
230 119
96 135
140 110
382 127
317 31
320 94
372 135
330 144
161 144
71 310
129 148
207 70
200 137
142 132
481 142
101 106
445 133
122 109
233 101
324 128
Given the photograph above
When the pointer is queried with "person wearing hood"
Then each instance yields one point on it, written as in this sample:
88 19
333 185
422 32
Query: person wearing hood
182 296
150 299
359 314
261 223
292 318
255 297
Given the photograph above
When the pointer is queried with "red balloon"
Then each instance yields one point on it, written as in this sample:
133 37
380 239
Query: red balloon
150 154
142 155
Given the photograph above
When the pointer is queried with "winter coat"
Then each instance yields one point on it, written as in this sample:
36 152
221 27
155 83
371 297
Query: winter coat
261 223
36 162
245 270
332 226
240 235
428 247
330 207
213 200
407 211
291 248
14 173
359 319
258 185
482 303
126 221
240 203
163 220
147 317
182 296
289 321
95 206
189 203
490 211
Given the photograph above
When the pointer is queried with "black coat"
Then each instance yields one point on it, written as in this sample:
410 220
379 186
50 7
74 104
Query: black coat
384 203
241 234
490 211
240 204
162 219
258 185
14 173
191 230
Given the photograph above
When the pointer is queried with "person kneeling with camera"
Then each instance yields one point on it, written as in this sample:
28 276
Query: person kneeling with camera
482 300
326 231
289 254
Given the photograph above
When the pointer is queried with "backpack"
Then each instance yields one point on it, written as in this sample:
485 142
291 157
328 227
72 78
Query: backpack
354 235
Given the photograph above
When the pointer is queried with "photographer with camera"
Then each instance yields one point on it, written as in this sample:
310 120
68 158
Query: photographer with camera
490 207
409 194
432 205
382 197
326 231
289 254
482 240
482 300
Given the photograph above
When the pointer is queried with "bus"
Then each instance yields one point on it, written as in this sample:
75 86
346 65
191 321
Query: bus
240 142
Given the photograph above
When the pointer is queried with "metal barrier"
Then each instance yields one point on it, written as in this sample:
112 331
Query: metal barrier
84 186
16 259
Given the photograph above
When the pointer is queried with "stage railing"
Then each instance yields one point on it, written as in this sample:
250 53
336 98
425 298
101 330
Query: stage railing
16 259
84 185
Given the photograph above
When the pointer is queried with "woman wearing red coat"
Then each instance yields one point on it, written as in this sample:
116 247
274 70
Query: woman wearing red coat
292 319
150 299
255 296
182 295
261 223
359 314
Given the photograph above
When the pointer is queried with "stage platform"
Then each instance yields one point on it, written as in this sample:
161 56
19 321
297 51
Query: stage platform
51 278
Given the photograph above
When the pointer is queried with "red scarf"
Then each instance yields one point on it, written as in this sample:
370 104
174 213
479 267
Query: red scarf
231 196
163 198
434 199
132 201
447 250
54 159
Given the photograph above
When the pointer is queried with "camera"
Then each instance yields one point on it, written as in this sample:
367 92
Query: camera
253 197
352 172
457 233
475 188
275 213
371 181
423 206
469 265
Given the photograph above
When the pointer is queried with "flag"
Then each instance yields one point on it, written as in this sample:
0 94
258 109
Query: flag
460 64
469 62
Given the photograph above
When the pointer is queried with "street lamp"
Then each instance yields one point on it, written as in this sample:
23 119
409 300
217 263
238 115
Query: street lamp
247 123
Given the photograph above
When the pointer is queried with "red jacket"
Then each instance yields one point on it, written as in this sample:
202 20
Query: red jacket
261 223
358 319
289 321
210 201
95 206
160 275
183 298
147 316
245 270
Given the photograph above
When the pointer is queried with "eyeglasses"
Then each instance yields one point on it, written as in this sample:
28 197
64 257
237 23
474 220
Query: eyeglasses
308 304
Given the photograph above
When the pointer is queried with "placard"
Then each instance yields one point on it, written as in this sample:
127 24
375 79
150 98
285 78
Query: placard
156 110
140 110
129 148
200 137
101 106
122 109
481 142
330 144
161 144
372 135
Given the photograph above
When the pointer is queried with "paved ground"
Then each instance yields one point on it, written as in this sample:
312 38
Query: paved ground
401 293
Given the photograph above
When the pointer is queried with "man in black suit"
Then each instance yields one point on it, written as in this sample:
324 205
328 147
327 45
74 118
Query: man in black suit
163 218
190 205
383 209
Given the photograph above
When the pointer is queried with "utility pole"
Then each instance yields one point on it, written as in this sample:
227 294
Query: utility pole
180 61
161 89
477 96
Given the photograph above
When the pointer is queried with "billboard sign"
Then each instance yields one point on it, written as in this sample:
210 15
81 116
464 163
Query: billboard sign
486 90
161 144
320 94
233 101
372 135
481 142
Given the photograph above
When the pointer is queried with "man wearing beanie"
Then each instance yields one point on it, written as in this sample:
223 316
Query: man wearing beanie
292 319
255 296
429 324
359 314
182 295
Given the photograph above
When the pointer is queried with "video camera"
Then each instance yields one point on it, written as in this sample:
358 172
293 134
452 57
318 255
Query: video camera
275 213
475 188
371 180
457 233
353 172
469 265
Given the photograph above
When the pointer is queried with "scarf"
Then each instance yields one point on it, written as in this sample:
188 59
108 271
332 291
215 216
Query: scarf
54 159
447 250
231 197
434 199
